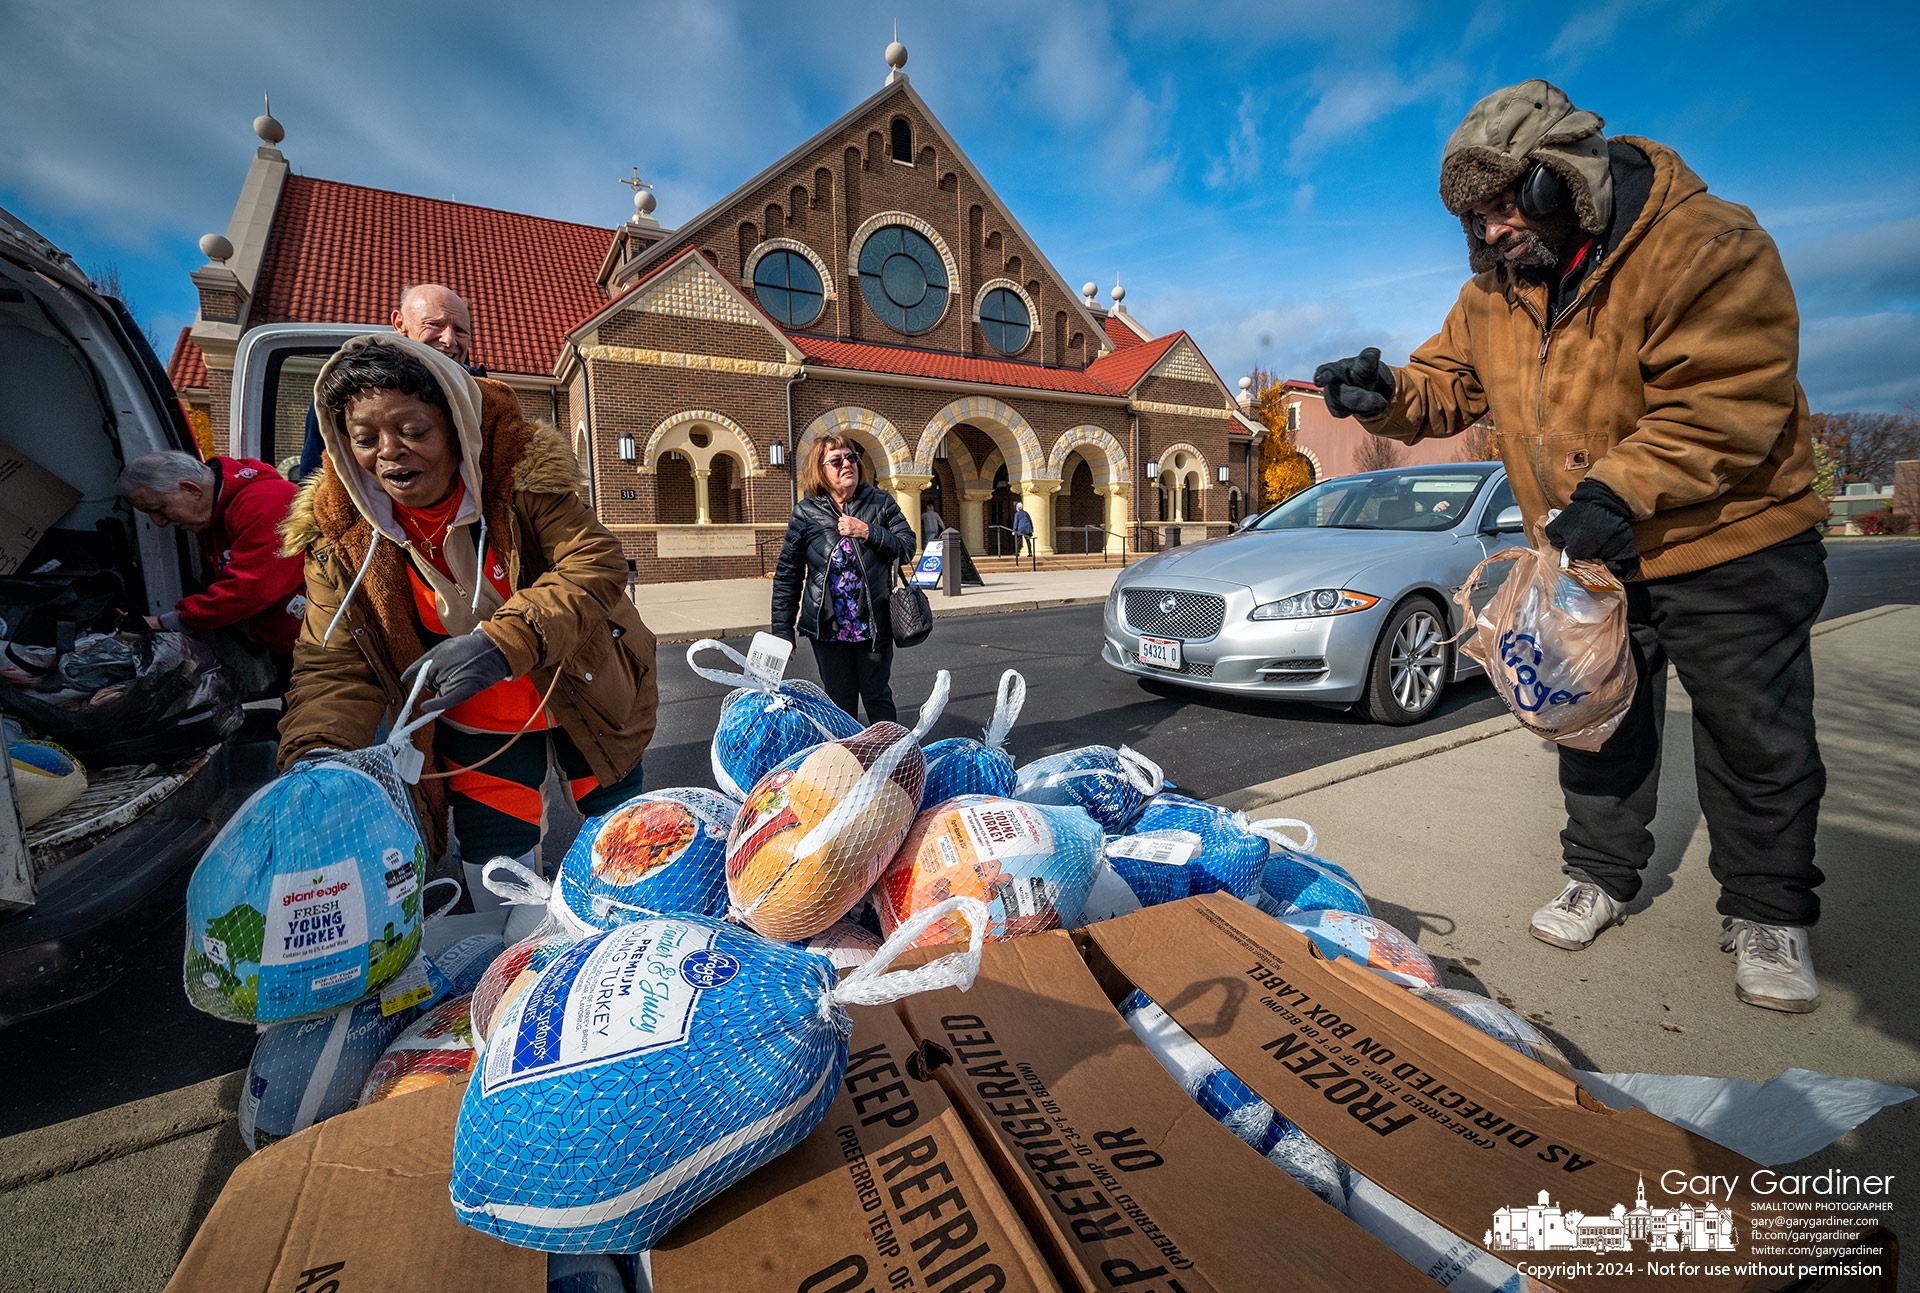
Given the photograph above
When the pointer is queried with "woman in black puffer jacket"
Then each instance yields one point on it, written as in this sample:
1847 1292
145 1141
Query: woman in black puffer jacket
835 576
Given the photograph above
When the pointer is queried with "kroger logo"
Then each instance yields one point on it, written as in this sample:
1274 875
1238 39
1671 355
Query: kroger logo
1521 653
708 969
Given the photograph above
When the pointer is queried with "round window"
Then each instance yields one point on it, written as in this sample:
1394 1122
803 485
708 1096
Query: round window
1003 318
789 288
903 279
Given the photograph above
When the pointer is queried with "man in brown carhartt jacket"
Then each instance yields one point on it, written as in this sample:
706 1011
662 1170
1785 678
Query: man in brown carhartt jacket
1635 340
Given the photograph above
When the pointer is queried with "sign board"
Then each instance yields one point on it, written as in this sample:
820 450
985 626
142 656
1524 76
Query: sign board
927 573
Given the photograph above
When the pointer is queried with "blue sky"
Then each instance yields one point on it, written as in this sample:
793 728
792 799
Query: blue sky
1261 174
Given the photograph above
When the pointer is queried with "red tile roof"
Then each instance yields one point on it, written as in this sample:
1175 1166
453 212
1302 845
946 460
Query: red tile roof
1124 368
341 253
187 370
1294 384
1120 334
864 356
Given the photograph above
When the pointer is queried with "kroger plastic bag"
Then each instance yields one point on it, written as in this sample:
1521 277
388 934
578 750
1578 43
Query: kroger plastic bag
1498 1022
435 1049
1294 880
660 853
1232 1103
1110 784
309 897
818 830
961 765
308 1070
1371 942
652 1066
1231 854
765 720
1032 865
1553 638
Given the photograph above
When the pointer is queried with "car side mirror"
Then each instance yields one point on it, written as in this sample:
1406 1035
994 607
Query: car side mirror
1508 522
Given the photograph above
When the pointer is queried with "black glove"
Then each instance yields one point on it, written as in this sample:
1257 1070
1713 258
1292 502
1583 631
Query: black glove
1361 385
1597 525
458 670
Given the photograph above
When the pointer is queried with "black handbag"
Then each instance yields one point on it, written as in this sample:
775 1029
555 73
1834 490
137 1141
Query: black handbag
911 613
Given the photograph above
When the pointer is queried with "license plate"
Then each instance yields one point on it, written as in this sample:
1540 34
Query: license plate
1160 652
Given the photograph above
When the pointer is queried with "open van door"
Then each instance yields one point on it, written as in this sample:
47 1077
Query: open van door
273 375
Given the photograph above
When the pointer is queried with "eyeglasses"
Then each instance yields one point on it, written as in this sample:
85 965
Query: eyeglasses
842 460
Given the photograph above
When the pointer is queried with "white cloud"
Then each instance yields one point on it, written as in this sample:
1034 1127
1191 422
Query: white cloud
1243 152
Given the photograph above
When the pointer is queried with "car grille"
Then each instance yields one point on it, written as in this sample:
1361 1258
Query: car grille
1295 667
1193 670
1194 615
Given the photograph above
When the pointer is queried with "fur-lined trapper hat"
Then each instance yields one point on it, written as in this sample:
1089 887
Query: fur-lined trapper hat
1505 133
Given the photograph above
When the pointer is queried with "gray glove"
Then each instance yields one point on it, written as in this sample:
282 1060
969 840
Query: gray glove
1361 385
458 670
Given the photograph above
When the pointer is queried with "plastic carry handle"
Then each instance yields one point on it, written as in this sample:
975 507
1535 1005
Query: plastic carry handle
869 985
726 677
511 882
1269 828
1006 710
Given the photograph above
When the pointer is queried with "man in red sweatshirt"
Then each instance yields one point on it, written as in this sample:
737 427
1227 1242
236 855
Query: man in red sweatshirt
235 506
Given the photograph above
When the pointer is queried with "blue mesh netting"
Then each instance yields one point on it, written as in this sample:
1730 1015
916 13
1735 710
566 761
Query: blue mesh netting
1505 1026
1231 855
1109 784
661 853
763 722
592 1130
1299 882
1370 942
1153 883
963 766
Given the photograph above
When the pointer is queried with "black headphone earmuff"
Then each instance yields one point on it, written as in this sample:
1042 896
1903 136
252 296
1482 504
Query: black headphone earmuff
1541 192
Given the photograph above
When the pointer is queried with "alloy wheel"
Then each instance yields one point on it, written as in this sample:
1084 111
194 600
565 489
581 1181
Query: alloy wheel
1416 662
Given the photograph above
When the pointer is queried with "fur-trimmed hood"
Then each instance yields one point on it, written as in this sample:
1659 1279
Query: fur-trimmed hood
1506 133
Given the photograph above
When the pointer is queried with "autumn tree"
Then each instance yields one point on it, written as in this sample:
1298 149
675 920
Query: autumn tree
1864 446
1478 444
1284 470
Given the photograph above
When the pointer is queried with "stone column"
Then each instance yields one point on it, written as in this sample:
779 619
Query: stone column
1038 497
906 496
700 514
1117 519
973 519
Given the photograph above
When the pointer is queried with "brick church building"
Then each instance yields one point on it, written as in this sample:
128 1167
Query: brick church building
869 282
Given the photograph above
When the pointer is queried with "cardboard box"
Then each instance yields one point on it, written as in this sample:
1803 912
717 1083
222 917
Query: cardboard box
888 1193
358 1204
1441 1116
1131 1185
31 500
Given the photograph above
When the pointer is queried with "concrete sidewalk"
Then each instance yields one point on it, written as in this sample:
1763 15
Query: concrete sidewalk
1458 844
717 608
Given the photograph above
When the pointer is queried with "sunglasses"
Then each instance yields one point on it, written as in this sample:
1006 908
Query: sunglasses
842 460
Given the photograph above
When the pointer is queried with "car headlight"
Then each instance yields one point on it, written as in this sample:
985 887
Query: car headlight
1320 601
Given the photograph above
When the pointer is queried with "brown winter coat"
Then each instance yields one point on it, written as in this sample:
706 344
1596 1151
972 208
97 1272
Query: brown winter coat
1669 377
569 610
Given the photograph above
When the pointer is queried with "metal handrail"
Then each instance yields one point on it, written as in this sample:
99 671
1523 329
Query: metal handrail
1086 542
1033 557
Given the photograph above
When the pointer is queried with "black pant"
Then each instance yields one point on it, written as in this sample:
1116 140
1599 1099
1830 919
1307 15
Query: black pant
852 672
1737 634
1019 539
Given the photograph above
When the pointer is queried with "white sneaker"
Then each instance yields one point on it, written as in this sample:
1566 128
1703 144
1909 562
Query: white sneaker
1576 917
1775 966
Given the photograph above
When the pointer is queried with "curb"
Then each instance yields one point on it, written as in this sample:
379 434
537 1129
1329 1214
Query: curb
119 1131
939 613
1359 765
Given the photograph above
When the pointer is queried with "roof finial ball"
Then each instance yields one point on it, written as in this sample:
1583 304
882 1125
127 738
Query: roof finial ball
1089 292
215 247
896 55
1119 295
644 203
270 131
1246 392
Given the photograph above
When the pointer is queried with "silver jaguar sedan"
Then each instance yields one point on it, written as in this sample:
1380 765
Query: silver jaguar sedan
1341 595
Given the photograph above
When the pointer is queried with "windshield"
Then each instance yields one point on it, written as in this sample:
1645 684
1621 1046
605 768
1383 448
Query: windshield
1385 500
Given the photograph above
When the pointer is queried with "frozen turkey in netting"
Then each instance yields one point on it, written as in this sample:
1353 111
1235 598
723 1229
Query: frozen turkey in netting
818 830
961 765
1110 784
649 1067
1231 854
1030 863
765 720
1371 942
661 853
1294 880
